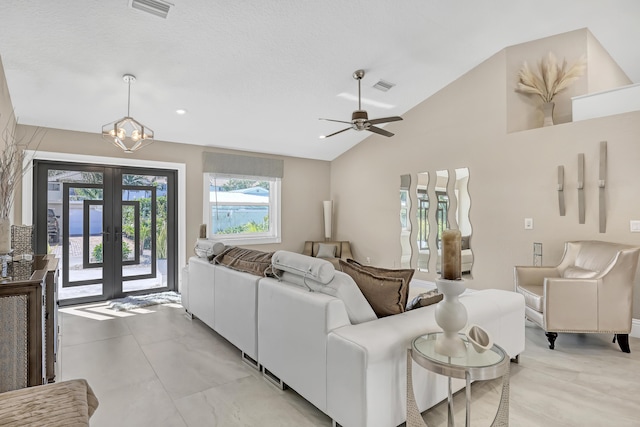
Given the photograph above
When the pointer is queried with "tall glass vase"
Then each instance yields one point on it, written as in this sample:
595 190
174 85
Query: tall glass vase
5 243
5 236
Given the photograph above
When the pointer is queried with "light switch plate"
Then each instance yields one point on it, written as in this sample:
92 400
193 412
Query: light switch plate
528 223
634 226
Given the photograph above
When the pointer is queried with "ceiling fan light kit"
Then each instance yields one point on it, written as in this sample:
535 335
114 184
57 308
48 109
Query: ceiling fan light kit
127 133
360 118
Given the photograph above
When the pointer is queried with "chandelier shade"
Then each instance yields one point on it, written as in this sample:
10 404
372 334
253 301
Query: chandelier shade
127 133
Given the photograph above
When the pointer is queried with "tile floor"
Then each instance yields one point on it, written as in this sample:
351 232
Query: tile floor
155 367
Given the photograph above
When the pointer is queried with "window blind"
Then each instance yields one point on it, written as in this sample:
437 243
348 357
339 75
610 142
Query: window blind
234 164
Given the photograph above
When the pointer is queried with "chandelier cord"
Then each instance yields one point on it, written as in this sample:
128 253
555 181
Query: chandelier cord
129 99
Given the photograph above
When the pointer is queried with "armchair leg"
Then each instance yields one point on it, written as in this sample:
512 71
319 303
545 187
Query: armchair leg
551 336
623 342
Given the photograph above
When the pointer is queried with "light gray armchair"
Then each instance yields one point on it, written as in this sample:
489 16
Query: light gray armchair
340 250
591 290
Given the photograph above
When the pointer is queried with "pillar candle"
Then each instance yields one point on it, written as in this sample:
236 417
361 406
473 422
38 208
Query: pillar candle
451 254
203 231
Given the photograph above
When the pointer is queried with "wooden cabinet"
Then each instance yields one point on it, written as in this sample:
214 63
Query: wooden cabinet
28 315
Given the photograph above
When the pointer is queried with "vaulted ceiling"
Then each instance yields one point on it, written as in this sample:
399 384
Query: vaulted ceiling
256 75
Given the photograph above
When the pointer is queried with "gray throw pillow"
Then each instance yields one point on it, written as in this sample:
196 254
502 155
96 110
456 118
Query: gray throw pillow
326 251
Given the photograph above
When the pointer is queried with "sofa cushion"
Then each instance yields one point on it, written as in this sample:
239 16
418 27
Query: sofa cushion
326 251
342 287
406 274
386 295
574 272
320 270
247 260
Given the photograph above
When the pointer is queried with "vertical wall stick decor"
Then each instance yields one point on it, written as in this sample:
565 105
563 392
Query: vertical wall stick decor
601 186
581 188
561 190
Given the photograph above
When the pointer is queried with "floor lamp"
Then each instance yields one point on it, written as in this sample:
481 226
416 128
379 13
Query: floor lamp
328 214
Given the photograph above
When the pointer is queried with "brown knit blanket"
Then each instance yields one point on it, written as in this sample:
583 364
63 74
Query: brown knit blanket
64 404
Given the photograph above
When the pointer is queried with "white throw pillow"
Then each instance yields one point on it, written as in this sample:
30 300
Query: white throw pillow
342 287
313 268
206 248
326 251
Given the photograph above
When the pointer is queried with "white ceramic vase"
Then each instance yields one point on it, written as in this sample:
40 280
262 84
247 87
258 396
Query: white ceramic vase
547 111
451 316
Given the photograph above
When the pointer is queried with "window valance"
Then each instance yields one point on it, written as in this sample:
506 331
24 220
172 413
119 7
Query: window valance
234 164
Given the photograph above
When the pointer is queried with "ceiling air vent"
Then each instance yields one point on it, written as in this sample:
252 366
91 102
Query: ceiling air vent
383 85
154 7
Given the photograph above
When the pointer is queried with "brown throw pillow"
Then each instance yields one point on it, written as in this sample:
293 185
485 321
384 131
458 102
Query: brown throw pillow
247 260
406 274
384 294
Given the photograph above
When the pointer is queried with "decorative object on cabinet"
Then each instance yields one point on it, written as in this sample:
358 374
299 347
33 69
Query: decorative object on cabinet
601 186
548 80
581 188
12 165
561 190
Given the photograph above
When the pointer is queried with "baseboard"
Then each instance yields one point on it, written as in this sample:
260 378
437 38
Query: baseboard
635 328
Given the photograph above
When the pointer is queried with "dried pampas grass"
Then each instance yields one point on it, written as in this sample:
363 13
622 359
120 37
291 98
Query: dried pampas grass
12 166
550 77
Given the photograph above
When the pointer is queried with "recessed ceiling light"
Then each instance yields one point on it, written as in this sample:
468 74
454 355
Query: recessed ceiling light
181 111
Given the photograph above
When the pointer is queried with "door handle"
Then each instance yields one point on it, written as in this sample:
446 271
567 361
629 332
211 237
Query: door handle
105 235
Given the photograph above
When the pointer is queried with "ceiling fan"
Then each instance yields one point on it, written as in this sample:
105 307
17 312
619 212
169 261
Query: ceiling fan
360 118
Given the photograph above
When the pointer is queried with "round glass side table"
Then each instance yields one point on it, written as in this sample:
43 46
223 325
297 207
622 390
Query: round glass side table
490 364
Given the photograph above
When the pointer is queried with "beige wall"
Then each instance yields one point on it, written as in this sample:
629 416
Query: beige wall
304 185
512 176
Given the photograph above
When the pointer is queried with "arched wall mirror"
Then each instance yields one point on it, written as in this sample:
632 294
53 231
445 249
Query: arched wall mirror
442 211
462 216
405 222
422 221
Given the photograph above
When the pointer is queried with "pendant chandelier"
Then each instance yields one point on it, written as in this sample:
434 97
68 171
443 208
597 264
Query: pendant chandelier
127 133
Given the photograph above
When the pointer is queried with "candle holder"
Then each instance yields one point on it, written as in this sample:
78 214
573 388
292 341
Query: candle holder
451 316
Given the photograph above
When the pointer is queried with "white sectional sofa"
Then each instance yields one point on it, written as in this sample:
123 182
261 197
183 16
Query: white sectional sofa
355 373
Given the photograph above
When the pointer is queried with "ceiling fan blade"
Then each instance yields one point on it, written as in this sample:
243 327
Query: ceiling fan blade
339 121
385 120
379 131
335 133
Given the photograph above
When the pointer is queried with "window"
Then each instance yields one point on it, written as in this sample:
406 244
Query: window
241 209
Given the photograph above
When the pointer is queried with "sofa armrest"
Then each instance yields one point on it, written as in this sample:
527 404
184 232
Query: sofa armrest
570 305
308 248
533 276
366 363
345 252
293 324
